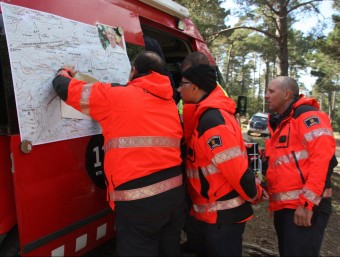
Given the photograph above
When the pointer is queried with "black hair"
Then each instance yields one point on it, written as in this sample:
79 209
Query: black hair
148 61
152 44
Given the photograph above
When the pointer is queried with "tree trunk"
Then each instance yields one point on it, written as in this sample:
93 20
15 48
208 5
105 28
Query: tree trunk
282 39
254 80
242 83
333 105
266 82
228 65
330 103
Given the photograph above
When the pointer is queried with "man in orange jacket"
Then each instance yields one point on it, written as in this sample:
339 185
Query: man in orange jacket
301 161
142 134
220 184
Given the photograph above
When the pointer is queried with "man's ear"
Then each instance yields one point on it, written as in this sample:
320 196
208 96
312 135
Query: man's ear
195 88
133 73
288 94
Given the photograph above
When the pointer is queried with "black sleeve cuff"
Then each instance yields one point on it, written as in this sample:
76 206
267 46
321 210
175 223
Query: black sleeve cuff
248 183
60 85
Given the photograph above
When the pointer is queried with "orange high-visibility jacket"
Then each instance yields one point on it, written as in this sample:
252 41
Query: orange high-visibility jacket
139 122
300 151
219 181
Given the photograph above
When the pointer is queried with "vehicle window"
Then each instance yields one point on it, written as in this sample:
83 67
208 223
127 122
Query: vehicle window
133 50
8 116
259 118
174 49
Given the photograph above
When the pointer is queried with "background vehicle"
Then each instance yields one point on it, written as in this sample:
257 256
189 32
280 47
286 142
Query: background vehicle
52 195
258 123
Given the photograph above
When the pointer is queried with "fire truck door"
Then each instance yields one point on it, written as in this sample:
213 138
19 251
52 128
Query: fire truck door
59 207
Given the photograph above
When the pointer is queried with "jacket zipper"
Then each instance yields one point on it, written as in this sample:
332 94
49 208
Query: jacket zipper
298 167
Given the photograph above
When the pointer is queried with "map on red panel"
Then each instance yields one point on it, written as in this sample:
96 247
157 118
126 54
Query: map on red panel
39 44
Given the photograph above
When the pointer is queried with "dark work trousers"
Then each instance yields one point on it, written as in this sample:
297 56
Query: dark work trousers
296 240
222 239
150 237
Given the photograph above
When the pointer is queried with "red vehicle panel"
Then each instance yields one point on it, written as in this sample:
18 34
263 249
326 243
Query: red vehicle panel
7 210
44 178
53 193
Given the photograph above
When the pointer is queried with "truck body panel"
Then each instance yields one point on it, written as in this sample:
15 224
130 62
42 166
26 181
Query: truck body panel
54 192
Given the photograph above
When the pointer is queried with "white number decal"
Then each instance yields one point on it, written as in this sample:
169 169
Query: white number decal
98 162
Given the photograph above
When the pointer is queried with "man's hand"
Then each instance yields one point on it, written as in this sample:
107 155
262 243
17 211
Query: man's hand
261 195
67 69
265 195
303 216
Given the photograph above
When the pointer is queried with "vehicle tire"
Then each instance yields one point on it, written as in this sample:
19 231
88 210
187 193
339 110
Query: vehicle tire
248 133
10 246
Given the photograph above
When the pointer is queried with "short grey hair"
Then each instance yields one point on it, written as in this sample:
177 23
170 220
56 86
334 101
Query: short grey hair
288 83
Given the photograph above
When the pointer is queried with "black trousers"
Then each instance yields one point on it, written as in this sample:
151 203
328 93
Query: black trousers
295 240
222 239
150 237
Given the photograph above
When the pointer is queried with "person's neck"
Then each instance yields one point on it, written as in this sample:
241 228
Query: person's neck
201 97
285 107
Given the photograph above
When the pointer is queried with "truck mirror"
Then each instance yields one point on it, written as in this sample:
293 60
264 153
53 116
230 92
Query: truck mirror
242 105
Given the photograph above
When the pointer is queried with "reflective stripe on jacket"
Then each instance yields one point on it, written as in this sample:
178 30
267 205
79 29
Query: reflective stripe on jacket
300 150
139 121
220 184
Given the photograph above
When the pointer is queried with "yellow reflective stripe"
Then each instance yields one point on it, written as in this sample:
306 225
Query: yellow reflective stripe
147 191
219 205
227 155
85 99
285 159
141 141
180 106
317 133
224 91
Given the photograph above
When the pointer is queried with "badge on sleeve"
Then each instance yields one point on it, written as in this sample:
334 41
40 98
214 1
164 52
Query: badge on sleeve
311 121
214 142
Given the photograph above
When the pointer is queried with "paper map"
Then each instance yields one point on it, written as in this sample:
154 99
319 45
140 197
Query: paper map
39 44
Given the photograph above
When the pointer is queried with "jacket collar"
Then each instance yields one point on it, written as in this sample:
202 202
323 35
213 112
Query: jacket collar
154 83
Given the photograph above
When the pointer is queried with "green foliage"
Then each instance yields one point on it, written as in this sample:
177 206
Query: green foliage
208 15
336 119
249 58
325 62
299 48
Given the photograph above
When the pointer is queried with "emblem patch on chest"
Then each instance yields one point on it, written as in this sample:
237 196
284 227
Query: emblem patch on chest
214 142
311 121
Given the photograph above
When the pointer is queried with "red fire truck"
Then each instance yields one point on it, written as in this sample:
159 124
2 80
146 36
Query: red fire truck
52 195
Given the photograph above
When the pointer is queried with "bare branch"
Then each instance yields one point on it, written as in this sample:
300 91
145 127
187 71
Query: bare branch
271 7
302 4
216 34
270 17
